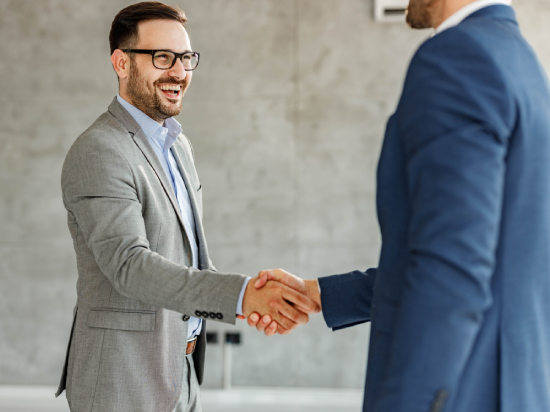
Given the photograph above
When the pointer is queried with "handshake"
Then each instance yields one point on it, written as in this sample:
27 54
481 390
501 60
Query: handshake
277 301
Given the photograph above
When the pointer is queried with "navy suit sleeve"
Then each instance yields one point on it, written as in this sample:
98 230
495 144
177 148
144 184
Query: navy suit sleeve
346 299
455 118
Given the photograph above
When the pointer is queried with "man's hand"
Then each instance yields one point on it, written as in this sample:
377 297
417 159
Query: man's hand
284 305
309 288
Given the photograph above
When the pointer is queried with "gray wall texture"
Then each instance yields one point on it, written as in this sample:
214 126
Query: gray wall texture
286 113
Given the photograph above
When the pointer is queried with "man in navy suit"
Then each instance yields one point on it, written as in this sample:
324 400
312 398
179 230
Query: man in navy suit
460 301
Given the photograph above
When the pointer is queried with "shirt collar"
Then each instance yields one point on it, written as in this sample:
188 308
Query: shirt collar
468 10
164 135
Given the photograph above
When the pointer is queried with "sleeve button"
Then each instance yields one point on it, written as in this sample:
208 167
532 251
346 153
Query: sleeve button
185 318
205 315
219 315
198 313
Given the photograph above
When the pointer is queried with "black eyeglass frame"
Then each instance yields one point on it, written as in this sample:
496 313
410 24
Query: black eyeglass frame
178 56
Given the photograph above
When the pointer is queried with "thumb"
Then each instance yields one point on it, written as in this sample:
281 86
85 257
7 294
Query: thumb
263 277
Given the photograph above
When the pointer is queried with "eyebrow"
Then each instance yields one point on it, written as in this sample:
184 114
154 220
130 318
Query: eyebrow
185 51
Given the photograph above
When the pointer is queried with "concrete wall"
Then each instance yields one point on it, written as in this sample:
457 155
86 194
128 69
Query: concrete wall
286 113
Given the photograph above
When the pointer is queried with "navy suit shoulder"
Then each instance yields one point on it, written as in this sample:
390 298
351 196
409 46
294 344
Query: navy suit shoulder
457 77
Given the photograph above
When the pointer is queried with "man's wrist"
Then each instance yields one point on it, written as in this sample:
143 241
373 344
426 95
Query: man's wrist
314 290
241 297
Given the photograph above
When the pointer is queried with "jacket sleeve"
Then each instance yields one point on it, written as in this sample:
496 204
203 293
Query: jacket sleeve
455 118
347 299
99 191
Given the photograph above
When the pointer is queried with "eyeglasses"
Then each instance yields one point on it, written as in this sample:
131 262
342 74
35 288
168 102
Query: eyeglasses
166 59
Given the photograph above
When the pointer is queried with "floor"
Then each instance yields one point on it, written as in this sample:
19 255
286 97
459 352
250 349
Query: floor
41 399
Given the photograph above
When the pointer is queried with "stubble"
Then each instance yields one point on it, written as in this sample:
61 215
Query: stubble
419 13
146 98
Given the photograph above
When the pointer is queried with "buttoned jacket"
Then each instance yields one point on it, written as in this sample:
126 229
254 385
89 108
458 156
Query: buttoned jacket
136 286
460 300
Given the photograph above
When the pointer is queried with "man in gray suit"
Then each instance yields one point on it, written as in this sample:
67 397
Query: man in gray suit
134 201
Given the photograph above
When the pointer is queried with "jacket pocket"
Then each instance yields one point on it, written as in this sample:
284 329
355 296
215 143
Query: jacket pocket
122 319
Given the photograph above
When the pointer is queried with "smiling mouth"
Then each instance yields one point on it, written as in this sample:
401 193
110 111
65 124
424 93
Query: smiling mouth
172 91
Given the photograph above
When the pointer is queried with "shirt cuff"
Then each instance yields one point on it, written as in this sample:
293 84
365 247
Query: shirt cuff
241 296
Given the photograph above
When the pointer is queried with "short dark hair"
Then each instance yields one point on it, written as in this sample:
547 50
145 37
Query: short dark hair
124 29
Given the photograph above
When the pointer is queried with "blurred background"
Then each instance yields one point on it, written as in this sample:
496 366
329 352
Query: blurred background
286 113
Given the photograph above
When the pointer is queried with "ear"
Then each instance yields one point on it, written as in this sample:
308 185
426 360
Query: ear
121 63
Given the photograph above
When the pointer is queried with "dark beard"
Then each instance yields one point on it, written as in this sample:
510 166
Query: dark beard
146 98
418 14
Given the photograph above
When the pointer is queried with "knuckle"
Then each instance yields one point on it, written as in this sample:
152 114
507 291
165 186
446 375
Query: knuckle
297 316
285 323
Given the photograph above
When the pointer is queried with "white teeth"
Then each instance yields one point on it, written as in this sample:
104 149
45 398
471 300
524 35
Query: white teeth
170 87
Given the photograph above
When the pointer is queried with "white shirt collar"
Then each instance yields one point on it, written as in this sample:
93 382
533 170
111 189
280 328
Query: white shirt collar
468 10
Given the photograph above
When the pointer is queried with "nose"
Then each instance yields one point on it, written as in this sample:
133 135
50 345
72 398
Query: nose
178 70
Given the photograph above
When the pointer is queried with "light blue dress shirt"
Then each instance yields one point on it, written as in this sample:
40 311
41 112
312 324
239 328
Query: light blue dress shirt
161 139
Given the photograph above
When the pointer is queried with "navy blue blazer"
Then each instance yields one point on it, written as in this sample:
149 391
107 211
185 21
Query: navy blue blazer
460 301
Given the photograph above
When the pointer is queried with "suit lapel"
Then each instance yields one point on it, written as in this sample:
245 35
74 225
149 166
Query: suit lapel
183 161
141 141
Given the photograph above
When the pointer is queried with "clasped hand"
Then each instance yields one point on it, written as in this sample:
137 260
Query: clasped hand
284 300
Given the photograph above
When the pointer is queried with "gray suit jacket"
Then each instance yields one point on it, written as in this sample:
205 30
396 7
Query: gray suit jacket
135 286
